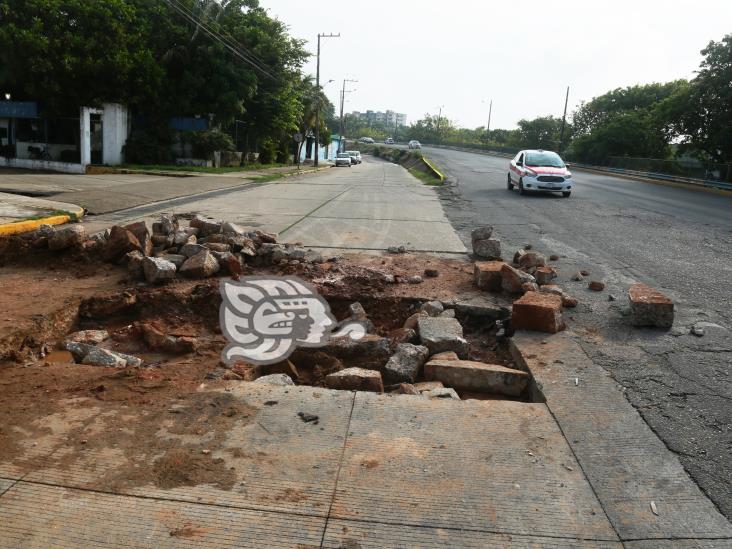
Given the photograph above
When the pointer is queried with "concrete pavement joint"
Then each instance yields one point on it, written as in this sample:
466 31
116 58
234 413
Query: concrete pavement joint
283 231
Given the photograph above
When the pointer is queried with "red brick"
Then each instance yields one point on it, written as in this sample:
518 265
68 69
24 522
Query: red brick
649 307
488 275
544 274
538 311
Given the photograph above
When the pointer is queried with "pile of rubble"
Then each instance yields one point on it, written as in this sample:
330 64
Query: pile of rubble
428 356
540 306
202 249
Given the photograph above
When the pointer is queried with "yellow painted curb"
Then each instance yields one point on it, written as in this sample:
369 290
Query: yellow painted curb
7 229
437 172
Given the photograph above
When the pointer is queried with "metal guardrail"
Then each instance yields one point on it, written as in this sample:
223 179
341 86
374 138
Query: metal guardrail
709 183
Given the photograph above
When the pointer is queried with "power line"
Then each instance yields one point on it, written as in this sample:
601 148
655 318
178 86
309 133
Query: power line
231 45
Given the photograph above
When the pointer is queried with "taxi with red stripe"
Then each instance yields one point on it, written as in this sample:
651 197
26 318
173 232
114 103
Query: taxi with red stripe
538 170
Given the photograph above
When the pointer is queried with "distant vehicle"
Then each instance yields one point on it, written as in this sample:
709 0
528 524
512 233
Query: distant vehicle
389 141
355 157
343 159
414 144
367 140
538 170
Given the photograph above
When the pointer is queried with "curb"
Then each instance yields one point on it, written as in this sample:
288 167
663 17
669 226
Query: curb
7 229
432 167
164 173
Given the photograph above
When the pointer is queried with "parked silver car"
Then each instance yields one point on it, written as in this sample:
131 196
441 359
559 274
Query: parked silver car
343 159
355 157
414 144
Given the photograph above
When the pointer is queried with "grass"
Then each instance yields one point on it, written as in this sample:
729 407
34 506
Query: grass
200 169
425 178
267 178
52 213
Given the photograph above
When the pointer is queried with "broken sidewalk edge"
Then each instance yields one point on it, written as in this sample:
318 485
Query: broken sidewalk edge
74 213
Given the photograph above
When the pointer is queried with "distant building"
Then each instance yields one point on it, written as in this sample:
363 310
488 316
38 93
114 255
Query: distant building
388 118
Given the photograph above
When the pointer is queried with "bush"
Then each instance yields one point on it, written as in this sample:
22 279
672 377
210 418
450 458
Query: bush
203 144
148 147
267 152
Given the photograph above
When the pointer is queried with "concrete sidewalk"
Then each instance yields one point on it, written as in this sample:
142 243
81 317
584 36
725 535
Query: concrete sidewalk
368 207
375 471
19 214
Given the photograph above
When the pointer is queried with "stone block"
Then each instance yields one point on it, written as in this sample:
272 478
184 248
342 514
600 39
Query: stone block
512 280
487 275
355 379
442 334
201 265
490 248
405 364
649 307
468 375
158 270
66 237
538 311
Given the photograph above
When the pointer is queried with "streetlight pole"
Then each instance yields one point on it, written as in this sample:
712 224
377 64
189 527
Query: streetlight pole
317 99
343 101
564 120
439 120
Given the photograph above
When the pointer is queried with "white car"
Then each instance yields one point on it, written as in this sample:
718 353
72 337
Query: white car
388 141
355 157
343 159
367 140
538 170
414 144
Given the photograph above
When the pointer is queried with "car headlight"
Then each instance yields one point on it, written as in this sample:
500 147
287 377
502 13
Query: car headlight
568 176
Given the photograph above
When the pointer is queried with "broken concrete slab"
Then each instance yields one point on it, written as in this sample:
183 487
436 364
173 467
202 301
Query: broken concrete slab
104 357
489 248
531 259
541 312
355 379
279 380
432 308
544 275
371 351
649 307
442 334
90 337
405 364
476 376
201 265
441 392
158 270
66 237
512 279
120 242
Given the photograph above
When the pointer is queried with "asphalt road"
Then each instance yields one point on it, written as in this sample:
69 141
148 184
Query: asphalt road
624 231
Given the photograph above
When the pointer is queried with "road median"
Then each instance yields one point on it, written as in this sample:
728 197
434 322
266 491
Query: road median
23 214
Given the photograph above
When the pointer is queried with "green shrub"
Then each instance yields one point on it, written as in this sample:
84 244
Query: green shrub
148 147
204 143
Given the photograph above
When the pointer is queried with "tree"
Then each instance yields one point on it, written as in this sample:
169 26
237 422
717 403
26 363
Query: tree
540 133
704 107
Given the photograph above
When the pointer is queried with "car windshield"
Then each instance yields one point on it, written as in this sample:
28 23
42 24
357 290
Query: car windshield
544 159
344 155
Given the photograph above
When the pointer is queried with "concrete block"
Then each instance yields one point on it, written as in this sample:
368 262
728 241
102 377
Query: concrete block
406 363
488 275
541 312
442 334
476 376
355 379
649 307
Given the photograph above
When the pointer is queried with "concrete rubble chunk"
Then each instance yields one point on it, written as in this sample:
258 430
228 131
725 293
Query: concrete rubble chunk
355 379
596 285
489 248
402 335
531 259
468 375
530 287
228 227
541 312
242 244
481 233
649 307
158 270
228 262
78 350
442 334
201 265
487 275
512 280
405 364
432 308
406 389
104 357
447 355
175 259
217 246
544 275
280 380
371 351
162 240
191 249
518 255
120 242
447 313
139 229
411 322
205 225
447 393
180 238
415 279
67 237
569 301
424 386
90 337
164 226
46 231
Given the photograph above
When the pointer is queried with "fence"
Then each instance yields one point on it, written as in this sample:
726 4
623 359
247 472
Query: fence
684 168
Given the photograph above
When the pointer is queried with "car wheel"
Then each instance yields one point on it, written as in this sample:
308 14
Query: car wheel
566 194
521 186
509 185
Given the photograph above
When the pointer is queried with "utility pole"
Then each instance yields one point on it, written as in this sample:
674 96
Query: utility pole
343 101
564 120
317 100
439 120
490 111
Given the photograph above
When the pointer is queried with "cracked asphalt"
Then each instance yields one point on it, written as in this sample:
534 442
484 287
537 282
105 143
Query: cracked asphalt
624 231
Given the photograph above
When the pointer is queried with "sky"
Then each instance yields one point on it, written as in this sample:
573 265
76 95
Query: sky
415 56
